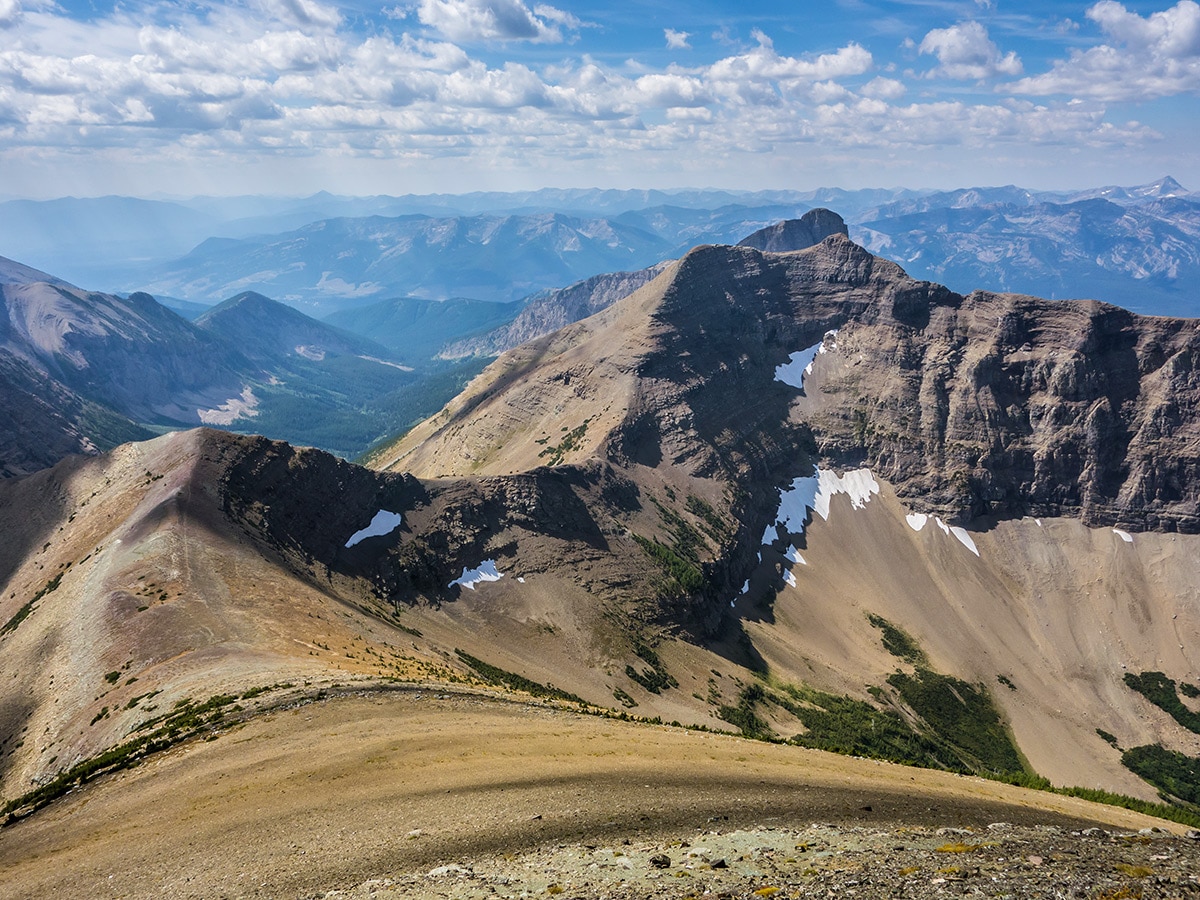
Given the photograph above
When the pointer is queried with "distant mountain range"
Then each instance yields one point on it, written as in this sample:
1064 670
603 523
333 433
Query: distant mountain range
415 329
1138 248
328 253
498 258
82 371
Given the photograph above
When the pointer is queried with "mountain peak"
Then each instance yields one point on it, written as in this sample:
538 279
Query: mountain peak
797 234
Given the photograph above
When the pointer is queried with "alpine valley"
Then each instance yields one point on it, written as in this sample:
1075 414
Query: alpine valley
700 522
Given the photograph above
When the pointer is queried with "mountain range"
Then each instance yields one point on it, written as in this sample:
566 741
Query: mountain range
792 493
1132 245
84 371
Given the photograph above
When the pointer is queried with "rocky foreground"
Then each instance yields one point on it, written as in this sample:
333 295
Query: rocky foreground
825 860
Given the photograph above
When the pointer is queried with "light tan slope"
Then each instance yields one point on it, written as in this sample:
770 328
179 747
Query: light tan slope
1060 610
565 391
325 796
147 592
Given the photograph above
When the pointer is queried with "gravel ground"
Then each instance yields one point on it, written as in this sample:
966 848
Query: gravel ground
826 860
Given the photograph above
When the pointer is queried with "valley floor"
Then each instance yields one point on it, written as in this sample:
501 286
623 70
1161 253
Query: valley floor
370 792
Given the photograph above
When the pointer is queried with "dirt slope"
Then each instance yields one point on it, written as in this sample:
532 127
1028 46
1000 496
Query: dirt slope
325 796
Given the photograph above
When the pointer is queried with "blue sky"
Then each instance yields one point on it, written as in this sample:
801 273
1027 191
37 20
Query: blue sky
153 97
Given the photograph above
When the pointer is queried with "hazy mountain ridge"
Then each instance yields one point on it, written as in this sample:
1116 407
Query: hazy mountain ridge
551 310
485 257
1142 255
82 368
275 246
268 331
132 354
416 328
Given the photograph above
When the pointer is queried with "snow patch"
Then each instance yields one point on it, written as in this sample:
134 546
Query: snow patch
916 521
793 555
814 492
859 484
1123 535
964 538
789 578
794 504
316 354
960 534
486 571
800 363
383 523
793 371
384 362
520 579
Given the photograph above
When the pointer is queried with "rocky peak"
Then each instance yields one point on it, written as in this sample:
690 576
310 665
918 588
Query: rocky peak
797 234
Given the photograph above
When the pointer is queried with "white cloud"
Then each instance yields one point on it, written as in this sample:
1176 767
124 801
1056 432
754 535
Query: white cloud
250 82
10 13
764 64
471 21
884 88
1158 56
828 92
964 51
676 40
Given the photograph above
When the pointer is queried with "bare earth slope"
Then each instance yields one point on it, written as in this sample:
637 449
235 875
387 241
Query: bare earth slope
328 795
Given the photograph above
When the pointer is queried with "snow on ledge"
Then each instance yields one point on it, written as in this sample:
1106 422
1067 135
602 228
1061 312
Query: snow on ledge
860 485
486 571
800 363
384 523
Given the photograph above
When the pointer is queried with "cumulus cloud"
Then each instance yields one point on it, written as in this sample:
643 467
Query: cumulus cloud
676 40
884 88
273 79
471 21
964 51
1151 56
10 13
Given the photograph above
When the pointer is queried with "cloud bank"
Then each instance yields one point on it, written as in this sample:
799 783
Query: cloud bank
471 79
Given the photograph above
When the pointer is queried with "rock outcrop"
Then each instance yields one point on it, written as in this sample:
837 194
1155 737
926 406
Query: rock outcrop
797 234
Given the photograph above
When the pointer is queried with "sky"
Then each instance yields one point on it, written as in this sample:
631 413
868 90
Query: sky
166 98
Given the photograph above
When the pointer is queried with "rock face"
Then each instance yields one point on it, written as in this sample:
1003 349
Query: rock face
988 404
1004 405
797 234
551 310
